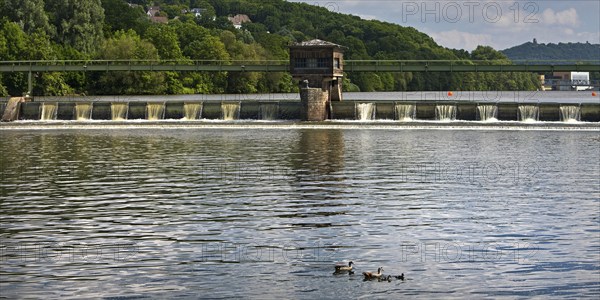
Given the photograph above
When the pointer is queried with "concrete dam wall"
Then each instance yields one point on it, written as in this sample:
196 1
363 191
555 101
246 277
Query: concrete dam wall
402 111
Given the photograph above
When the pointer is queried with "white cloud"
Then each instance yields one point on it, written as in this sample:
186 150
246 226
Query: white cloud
567 17
461 40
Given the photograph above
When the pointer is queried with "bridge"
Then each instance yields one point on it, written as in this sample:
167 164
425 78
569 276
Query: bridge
283 66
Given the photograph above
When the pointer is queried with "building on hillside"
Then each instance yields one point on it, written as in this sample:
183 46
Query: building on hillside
153 11
197 12
238 20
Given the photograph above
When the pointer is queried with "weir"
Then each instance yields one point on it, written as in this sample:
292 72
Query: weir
119 111
365 111
192 110
405 112
399 111
445 112
155 111
230 111
487 113
48 111
269 111
570 113
529 113
83 111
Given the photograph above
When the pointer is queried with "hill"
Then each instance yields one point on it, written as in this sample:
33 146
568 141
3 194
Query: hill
560 51
186 30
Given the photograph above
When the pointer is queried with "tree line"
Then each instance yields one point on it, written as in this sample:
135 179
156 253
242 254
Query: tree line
117 29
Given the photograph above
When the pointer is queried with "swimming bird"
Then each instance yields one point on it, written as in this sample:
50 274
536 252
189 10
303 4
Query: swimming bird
343 267
401 277
371 275
386 278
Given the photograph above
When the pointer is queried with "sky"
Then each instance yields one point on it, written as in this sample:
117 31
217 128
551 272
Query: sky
466 24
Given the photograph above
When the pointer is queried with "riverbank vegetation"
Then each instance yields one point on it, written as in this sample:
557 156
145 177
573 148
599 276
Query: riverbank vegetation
187 30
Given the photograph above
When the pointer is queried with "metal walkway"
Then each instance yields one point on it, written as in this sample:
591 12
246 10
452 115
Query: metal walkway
283 66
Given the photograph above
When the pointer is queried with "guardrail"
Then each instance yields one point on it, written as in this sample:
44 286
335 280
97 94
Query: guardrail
283 66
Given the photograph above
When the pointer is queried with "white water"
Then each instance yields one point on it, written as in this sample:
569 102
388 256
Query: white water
406 112
230 111
192 111
155 111
119 111
269 111
570 113
445 112
529 113
365 111
487 112
83 111
49 111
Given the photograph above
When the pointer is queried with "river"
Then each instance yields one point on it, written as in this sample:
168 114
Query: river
266 213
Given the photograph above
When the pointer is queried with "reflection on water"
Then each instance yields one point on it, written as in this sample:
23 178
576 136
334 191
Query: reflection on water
266 213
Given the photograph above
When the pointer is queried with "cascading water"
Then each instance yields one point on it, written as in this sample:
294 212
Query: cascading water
365 111
49 111
155 111
406 112
487 112
230 111
192 111
529 113
119 111
83 111
570 113
269 111
445 112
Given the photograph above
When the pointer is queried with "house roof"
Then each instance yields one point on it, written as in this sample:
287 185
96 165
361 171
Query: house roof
153 10
239 19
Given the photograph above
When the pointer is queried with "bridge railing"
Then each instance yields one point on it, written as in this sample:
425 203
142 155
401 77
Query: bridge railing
283 65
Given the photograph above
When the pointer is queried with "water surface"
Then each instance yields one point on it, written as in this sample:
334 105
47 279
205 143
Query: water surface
258 213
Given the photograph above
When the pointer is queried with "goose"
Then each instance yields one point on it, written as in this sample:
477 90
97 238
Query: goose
386 278
370 275
401 277
343 267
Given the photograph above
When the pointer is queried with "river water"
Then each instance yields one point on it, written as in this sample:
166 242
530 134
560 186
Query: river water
266 213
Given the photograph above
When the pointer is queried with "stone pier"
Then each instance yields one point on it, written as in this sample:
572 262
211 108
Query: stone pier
315 104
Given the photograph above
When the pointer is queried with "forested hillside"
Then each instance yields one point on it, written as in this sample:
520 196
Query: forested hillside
561 51
116 29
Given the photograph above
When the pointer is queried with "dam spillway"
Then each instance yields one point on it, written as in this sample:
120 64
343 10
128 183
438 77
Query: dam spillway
277 107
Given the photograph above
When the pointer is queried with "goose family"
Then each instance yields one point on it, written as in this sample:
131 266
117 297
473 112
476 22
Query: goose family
342 267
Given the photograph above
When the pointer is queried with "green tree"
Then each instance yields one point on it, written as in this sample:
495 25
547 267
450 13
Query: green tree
79 23
164 38
127 45
120 16
29 14
13 41
189 31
